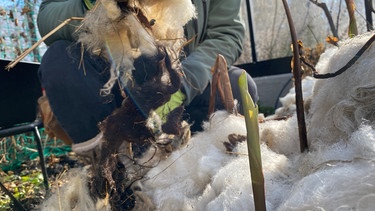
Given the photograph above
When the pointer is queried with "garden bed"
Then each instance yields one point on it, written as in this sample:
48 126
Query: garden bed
20 169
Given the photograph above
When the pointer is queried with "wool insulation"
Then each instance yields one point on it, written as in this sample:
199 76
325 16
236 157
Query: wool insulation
122 35
337 173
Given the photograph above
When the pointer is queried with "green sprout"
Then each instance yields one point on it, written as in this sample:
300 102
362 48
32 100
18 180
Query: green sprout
253 145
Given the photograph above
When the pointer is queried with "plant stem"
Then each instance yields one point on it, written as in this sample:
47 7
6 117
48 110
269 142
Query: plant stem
297 82
352 31
328 15
253 145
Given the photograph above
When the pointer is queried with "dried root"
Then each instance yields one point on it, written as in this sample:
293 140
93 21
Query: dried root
129 125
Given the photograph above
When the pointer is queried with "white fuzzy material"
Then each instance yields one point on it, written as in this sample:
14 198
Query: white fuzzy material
341 104
122 39
338 173
170 16
74 195
288 102
334 174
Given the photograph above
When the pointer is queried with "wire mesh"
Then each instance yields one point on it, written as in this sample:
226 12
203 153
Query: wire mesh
19 29
15 150
18 32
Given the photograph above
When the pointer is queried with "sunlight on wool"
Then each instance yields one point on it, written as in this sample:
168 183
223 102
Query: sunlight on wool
338 173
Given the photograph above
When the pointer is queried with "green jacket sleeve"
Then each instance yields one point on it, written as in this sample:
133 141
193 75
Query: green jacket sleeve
53 12
219 30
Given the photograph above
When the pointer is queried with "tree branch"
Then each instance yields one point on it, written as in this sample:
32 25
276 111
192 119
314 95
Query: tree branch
328 15
297 82
349 64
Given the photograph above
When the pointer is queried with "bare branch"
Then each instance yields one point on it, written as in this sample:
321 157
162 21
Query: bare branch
349 64
25 53
297 82
328 15
369 10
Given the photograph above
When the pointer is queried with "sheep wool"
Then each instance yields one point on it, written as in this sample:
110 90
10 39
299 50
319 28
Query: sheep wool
337 173
121 32
342 104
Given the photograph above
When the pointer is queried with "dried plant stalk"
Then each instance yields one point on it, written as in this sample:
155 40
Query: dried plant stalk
353 29
221 83
297 74
29 50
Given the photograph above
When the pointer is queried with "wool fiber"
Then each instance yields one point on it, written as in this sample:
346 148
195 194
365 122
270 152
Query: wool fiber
341 104
336 173
121 36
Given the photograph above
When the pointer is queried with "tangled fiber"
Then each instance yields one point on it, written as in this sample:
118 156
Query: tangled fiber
336 174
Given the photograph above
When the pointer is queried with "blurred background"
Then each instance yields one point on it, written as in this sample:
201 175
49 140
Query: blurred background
270 29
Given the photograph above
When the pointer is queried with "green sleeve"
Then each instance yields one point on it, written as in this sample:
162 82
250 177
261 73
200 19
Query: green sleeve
223 33
53 12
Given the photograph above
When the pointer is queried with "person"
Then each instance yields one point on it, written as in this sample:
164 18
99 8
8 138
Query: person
73 89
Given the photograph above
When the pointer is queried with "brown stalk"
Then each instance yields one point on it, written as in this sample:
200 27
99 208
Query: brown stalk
349 64
297 74
221 83
25 53
353 29
328 15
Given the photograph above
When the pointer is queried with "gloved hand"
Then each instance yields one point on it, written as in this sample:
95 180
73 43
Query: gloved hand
176 100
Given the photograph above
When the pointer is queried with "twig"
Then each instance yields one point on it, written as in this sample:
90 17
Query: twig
349 64
236 153
297 82
369 10
25 53
17 204
303 60
328 15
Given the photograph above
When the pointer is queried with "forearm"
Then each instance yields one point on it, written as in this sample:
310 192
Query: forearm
224 35
53 12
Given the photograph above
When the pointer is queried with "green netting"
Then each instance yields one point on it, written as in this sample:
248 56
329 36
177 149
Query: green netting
18 32
15 150
19 29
